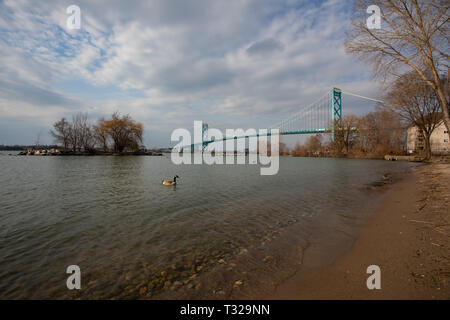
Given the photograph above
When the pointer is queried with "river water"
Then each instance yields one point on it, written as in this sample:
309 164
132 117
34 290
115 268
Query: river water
224 231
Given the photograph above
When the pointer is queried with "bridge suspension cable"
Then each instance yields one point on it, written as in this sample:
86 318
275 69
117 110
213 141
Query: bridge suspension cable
363 97
313 118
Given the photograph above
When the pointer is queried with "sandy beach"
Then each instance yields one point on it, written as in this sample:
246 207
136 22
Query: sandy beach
407 236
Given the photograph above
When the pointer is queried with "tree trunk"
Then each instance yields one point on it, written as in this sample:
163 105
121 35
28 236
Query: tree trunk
445 109
427 146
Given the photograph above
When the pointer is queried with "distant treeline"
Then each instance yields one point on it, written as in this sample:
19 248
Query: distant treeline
372 136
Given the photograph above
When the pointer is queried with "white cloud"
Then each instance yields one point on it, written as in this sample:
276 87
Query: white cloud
242 63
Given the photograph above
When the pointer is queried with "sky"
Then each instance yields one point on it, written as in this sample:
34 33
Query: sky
167 63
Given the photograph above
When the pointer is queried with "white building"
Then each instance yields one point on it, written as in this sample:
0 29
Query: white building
439 140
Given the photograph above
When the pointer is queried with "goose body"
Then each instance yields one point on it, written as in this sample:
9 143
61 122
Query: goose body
170 182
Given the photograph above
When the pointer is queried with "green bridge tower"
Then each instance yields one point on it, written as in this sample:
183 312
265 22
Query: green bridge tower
336 109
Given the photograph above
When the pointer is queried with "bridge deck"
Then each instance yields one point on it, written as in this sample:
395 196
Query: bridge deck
314 131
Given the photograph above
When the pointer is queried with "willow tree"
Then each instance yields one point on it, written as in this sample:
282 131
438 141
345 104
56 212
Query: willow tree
125 133
413 36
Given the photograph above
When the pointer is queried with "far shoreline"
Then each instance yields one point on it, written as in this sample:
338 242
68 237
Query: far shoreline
22 152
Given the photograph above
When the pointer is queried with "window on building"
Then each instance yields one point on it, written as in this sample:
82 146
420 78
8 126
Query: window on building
446 140
445 131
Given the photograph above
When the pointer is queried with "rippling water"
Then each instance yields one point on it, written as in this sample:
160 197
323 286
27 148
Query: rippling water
134 238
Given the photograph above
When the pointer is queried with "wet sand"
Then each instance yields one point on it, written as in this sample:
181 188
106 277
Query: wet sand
407 236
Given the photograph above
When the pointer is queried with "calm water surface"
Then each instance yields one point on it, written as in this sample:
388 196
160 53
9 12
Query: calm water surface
135 238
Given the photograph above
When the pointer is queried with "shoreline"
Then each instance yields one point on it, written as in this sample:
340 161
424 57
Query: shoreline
406 235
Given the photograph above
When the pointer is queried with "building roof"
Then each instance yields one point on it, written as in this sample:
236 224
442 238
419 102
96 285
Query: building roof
439 116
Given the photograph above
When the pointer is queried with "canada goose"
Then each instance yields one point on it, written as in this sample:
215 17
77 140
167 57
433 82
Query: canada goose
170 182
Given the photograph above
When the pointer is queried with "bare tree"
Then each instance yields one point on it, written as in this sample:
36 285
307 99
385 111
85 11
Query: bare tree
100 132
38 140
74 134
414 35
345 133
61 132
283 149
418 104
381 132
314 144
86 133
299 150
80 133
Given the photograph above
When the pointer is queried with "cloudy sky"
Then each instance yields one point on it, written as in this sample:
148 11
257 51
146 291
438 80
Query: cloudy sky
233 63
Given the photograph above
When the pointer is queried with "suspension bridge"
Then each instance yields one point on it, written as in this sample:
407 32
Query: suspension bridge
317 117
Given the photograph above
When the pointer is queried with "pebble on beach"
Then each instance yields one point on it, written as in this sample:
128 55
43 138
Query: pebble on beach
238 283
